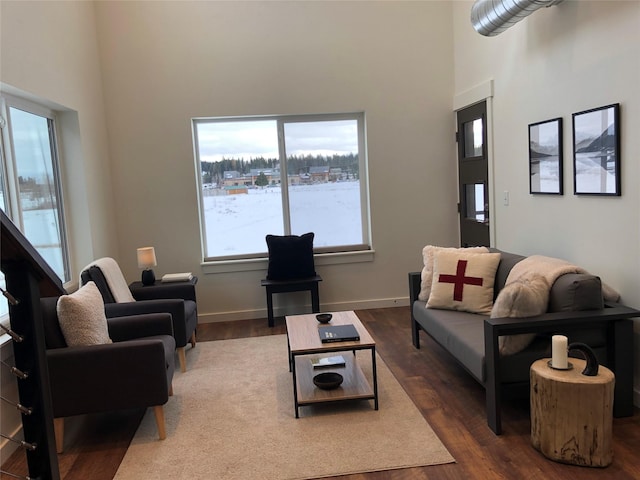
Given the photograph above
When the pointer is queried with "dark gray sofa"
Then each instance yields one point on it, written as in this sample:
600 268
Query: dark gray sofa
576 309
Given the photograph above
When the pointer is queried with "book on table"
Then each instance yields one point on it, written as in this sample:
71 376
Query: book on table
338 333
177 277
335 361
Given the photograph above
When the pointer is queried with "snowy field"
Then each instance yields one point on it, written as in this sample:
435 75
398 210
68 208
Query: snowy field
238 224
41 229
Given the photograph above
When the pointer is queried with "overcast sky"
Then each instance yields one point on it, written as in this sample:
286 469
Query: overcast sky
259 138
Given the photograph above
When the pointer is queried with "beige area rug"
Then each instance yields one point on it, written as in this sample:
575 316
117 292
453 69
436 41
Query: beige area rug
232 417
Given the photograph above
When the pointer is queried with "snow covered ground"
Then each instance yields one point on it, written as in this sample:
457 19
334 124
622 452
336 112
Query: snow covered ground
238 224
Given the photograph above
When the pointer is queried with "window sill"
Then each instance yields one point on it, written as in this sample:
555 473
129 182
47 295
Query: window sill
255 264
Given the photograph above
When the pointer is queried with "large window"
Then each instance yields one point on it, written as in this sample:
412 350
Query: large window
281 175
30 190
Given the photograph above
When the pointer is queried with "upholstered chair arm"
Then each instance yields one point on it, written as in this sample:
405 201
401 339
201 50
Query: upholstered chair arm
139 326
107 377
173 306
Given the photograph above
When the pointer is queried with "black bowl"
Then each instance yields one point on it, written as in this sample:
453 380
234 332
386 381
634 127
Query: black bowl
324 317
327 380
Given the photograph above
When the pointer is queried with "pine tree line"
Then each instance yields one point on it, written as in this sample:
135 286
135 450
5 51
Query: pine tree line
214 171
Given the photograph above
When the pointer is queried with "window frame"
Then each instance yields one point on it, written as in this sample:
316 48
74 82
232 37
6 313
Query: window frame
334 254
13 207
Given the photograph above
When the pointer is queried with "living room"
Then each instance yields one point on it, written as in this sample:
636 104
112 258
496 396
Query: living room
128 77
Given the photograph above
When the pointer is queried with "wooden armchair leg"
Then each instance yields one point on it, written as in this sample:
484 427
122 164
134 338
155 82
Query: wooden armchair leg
58 430
159 413
193 340
171 389
183 359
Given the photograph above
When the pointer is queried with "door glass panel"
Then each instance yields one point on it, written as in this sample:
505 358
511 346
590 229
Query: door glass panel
474 202
473 138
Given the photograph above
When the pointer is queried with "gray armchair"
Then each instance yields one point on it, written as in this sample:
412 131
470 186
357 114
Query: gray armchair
134 371
180 302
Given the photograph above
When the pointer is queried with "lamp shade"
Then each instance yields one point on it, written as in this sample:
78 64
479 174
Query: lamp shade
146 257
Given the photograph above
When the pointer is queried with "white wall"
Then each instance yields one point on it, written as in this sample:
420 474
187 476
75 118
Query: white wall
48 51
561 60
166 62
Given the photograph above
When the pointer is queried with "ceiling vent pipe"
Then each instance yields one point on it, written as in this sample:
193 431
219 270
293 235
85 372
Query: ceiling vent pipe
492 17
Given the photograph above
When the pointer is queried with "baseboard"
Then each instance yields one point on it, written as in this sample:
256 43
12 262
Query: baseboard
280 311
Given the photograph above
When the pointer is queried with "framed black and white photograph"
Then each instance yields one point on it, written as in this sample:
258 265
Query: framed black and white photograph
596 151
545 157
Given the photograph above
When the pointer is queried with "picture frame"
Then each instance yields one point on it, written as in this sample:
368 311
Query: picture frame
546 157
596 151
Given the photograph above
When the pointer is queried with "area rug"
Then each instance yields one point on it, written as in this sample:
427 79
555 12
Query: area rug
232 418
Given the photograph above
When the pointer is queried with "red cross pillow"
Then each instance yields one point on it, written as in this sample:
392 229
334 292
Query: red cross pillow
426 276
463 281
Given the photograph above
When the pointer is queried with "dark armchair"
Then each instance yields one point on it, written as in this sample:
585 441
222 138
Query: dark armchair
167 298
135 371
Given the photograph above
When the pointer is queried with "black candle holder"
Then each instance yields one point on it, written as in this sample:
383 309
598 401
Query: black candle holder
591 368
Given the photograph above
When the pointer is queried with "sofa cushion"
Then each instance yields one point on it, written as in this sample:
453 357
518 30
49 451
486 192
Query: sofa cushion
463 281
507 261
460 333
290 257
426 276
82 318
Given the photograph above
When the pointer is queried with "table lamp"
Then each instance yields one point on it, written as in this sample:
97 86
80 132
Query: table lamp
146 260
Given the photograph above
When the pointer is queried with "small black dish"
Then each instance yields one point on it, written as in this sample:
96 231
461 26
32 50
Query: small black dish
327 380
324 317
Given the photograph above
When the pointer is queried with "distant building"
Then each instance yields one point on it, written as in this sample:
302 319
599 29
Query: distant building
236 189
319 174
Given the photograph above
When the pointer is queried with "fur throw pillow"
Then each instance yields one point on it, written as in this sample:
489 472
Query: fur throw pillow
525 297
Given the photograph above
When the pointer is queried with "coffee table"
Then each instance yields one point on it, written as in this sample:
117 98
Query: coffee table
304 341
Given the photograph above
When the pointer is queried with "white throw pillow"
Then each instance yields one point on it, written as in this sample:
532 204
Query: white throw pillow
525 297
463 281
81 317
426 276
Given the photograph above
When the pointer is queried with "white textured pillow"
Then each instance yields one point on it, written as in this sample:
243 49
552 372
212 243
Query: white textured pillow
426 277
463 281
81 317
525 297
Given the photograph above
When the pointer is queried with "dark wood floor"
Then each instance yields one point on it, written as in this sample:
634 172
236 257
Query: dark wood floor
450 400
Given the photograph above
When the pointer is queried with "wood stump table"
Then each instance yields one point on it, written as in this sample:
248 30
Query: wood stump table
572 413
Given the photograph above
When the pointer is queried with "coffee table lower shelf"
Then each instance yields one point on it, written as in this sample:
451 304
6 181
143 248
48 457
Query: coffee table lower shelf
354 387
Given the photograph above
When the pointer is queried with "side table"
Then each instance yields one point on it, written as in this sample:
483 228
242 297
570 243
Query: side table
572 414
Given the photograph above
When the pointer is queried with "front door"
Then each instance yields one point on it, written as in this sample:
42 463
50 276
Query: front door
473 176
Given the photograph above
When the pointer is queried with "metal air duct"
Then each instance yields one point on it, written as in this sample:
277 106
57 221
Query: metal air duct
491 17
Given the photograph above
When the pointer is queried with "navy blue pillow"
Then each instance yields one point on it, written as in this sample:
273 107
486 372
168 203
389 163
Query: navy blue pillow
290 257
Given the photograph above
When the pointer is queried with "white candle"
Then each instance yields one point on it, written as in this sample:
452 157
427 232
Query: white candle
559 351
